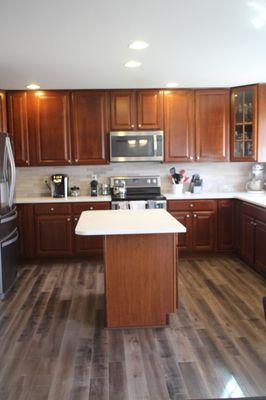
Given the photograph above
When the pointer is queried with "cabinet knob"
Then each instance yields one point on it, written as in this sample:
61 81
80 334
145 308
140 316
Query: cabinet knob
132 126
139 125
27 162
187 215
191 205
52 209
198 157
191 158
76 219
195 215
76 160
68 219
91 208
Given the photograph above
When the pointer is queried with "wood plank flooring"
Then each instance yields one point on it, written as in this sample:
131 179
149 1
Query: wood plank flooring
53 345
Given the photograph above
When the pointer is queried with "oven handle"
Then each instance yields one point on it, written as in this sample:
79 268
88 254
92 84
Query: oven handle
155 144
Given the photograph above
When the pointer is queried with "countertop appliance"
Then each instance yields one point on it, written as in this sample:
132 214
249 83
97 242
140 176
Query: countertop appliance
256 183
59 185
136 146
141 192
94 186
8 217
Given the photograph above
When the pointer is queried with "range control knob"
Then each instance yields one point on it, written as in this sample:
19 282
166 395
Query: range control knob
148 181
154 181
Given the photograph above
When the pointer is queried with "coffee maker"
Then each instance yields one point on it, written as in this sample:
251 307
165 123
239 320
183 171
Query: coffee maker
256 184
59 185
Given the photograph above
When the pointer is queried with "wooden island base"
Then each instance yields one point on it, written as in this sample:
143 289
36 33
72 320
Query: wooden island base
140 279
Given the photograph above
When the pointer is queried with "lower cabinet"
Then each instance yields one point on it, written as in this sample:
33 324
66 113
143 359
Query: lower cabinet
226 225
48 230
253 243
199 217
53 235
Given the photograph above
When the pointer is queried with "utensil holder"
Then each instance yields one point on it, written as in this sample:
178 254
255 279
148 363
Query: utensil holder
177 188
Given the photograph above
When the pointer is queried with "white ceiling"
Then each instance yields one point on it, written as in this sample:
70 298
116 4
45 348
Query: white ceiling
84 43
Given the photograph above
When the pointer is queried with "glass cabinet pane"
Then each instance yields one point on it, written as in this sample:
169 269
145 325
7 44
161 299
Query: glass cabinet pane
239 149
248 105
239 132
248 149
239 98
248 132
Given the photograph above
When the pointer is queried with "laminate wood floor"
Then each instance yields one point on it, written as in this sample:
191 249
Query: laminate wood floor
53 345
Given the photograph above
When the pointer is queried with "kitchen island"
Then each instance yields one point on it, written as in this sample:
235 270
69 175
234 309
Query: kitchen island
139 264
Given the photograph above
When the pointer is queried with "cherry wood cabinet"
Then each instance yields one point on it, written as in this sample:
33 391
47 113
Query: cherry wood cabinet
225 240
3 120
204 230
48 230
253 249
53 235
248 123
136 109
212 124
51 112
123 110
179 132
90 126
150 109
200 217
18 126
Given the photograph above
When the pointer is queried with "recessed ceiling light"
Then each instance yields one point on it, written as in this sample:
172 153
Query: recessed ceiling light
172 85
258 22
138 45
133 64
33 86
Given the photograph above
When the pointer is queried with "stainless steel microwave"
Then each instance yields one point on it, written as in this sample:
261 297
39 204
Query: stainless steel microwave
136 146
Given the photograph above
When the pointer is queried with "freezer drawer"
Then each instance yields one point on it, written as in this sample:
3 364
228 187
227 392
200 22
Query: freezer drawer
8 262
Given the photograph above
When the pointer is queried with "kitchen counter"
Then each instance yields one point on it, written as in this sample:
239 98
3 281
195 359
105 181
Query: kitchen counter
139 264
127 222
257 199
69 199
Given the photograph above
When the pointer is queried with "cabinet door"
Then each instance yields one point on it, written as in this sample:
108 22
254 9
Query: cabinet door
248 236
3 124
184 239
87 244
52 128
18 126
212 125
179 125
244 123
90 127
260 247
225 225
204 230
26 229
237 226
150 109
53 235
123 111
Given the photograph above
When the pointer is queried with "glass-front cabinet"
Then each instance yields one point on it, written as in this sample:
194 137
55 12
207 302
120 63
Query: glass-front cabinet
244 123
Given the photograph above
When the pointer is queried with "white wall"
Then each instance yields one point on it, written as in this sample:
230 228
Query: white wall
222 177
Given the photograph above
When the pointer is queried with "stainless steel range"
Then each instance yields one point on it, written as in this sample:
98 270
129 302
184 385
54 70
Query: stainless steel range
136 192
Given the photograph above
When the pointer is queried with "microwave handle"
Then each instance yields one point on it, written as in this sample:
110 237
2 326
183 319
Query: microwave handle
155 144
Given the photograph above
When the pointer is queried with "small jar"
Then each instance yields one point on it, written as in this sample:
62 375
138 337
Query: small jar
75 191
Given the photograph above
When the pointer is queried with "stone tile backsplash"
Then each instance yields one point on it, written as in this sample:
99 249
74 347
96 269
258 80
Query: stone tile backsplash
217 177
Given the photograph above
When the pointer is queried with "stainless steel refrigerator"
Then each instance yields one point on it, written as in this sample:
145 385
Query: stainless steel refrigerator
8 217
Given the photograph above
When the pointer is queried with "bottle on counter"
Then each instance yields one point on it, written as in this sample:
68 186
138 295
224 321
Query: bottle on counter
94 186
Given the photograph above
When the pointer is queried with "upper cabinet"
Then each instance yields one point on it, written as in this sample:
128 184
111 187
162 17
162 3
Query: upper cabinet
248 123
179 125
212 124
52 127
18 126
90 126
3 122
136 109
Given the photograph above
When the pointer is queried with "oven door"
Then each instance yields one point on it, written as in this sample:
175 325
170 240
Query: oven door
136 146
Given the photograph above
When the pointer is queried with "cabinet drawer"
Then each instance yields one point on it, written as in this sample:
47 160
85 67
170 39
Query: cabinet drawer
197 205
52 209
78 208
254 211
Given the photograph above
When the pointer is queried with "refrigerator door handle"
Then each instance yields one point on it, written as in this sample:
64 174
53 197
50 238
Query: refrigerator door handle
9 218
13 172
12 240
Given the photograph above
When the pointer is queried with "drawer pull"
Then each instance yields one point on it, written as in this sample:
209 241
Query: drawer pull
68 219
91 208
191 158
191 205
76 219
198 157
52 209
187 216
195 215
132 126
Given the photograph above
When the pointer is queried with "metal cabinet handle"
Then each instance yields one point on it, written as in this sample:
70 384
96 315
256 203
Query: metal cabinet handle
76 219
91 208
191 158
187 215
191 205
68 219
139 125
195 215
132 126
198 157
52 209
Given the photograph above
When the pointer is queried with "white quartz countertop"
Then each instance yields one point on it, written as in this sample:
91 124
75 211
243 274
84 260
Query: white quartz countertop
127 222
257 199
69 199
